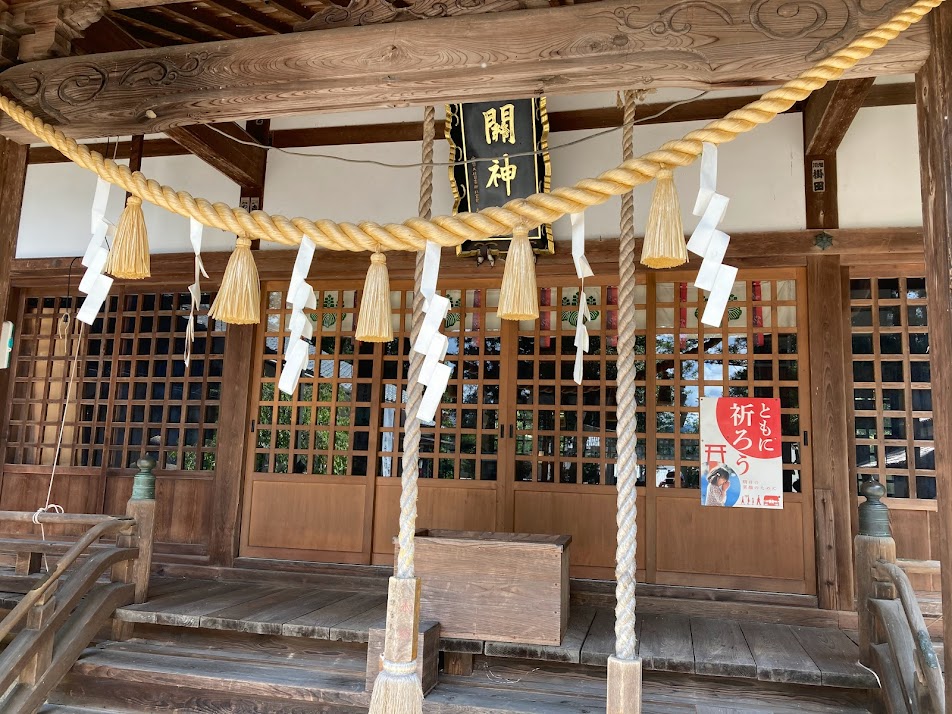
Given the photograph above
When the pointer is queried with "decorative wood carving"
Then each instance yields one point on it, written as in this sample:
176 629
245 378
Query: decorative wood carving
48 28
373 12
588 47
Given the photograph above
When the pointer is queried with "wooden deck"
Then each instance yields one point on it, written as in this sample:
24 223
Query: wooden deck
667 643
188 670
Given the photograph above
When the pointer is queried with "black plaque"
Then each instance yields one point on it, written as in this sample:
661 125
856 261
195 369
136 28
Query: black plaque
492 145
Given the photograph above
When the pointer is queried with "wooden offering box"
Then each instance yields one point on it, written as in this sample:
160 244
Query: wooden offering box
498 587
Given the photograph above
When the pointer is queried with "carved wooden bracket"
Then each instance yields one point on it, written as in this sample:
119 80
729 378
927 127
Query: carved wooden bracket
44 29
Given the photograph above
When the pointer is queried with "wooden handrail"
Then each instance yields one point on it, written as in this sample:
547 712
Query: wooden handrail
919 567
100 529
47 518
926 661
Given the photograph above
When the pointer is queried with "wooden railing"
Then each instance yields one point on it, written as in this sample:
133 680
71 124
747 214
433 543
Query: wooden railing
63 609
894 639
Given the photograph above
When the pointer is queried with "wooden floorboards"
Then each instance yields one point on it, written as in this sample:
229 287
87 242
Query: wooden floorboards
667 643
190 670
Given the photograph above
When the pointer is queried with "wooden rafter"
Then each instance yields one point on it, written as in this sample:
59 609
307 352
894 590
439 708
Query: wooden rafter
205 21
250 16
147 19
579 48
829 113
243 164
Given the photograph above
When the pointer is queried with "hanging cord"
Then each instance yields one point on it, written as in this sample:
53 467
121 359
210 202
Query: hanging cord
531 211
411 441
475 160
54 507
627 459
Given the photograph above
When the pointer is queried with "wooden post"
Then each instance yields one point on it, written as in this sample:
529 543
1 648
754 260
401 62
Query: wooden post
873 543
37 619
934 104
141 507
832 480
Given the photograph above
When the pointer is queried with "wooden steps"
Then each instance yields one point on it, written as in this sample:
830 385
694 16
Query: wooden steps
191 670
772 652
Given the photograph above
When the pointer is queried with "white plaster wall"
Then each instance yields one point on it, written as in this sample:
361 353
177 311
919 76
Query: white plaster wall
57 199
878 170
761 172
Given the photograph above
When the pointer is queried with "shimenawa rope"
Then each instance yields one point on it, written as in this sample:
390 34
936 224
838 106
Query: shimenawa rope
453 230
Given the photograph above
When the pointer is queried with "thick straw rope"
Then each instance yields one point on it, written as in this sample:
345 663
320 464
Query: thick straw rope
626 468
453 230
411 439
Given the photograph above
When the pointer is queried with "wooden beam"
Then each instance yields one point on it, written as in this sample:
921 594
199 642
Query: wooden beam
827 115
830 111
107 36
241 163
578 48
885 245
934 102
575 120
832 479
150 18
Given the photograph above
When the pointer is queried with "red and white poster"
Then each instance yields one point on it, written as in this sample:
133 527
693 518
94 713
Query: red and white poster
741 464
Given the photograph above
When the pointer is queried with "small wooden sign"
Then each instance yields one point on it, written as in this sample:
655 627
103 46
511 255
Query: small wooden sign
491 147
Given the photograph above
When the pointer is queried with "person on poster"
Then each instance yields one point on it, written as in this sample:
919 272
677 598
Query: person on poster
718 483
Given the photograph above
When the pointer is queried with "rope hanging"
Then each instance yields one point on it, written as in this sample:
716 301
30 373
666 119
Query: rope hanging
624 669
453 230
398 687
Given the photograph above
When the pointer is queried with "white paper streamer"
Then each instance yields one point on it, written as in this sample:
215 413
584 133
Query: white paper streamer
437 308
581 336
709 222
434 392
94 299
100 202
713 257
195 231
294 362
300 296
431 270
582 267
94 284
434 355
708 178
720 294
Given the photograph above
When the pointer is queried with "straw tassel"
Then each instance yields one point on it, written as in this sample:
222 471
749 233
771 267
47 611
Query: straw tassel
397 688
129 256
239 299
519 296
373 320
664 236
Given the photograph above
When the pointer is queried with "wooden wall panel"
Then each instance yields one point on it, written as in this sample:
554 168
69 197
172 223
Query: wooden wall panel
306 516
456 506
182 510
588 517
917 536
24 489
746 548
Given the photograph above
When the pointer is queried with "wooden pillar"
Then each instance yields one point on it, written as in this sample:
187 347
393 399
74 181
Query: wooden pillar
13 160
235 425
934 104
832 480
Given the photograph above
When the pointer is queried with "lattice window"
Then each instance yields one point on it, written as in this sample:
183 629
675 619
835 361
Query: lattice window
464 442
892 389
325 427
133 395
41 369
161 407
754 353
565 433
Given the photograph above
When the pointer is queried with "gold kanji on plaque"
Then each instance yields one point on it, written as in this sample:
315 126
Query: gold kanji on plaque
504 172
502 127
